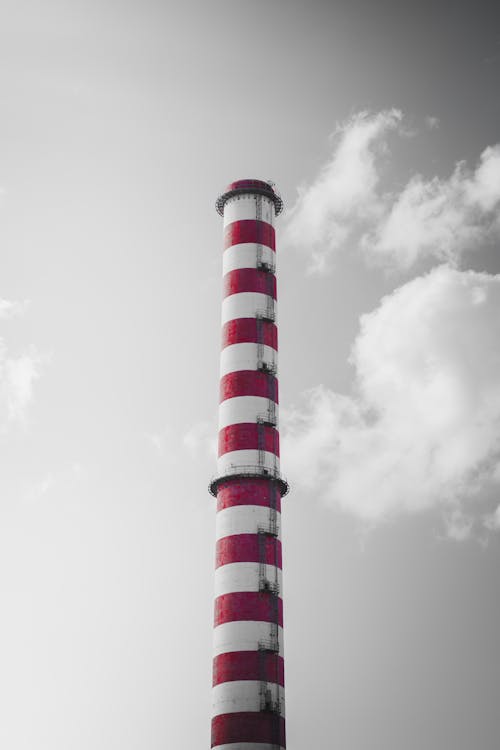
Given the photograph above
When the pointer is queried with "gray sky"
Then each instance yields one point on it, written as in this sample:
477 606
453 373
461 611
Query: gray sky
120 123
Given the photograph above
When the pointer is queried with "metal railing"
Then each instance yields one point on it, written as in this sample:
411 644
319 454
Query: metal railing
249 472
271 645
268 314
269 367
264 265
269 587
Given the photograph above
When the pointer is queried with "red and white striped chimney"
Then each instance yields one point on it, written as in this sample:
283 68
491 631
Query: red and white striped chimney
248 673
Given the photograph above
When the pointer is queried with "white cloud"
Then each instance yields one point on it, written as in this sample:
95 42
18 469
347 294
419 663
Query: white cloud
347 204
17 374
458 524
440 218
423 428
9 309
17 384
344 192
492 521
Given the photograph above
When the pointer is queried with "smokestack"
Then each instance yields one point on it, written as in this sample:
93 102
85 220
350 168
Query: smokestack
248 667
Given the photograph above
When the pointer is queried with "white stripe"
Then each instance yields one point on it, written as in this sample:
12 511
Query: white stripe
244 207
246 409
244 635
231 461
245 576
244 255
243 695
247 746
245 519
246 357
246 305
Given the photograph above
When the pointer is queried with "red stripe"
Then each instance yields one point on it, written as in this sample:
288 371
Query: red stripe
248 492
249 230
248 548
249 280
248 383
248 605
248 436
249 330
249 184
248 665
248 726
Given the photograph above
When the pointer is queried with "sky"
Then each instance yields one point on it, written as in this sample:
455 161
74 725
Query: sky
121 122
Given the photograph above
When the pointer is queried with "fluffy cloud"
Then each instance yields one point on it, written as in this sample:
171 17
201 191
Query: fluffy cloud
423 428
345 190
9 309
435 217
17 374
16 383
440 218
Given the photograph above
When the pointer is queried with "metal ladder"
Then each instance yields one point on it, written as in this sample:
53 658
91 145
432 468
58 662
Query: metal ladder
258 216
268 648
262 265
263 316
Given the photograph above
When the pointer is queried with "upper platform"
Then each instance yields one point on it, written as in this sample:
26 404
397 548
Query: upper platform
257 187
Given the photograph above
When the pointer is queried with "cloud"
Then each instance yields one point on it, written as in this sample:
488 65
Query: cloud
17 377
9 309
440 218
345 191
422 428
349 204
492 521
17 374
432 122
458 525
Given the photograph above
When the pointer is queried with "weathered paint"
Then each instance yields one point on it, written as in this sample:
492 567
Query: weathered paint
230 462
237 696
249 727
248 305
245 636
248 548
245 576
248 665
249 330
248 492
248 605
241 207
246 357
248 383
246 255
246 409
248 436
249 230
249 280
246 519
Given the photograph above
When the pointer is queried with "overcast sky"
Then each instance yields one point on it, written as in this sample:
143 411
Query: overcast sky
120 124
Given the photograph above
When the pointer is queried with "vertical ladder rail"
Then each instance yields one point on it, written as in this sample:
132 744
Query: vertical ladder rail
260 340
258 216
269 649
